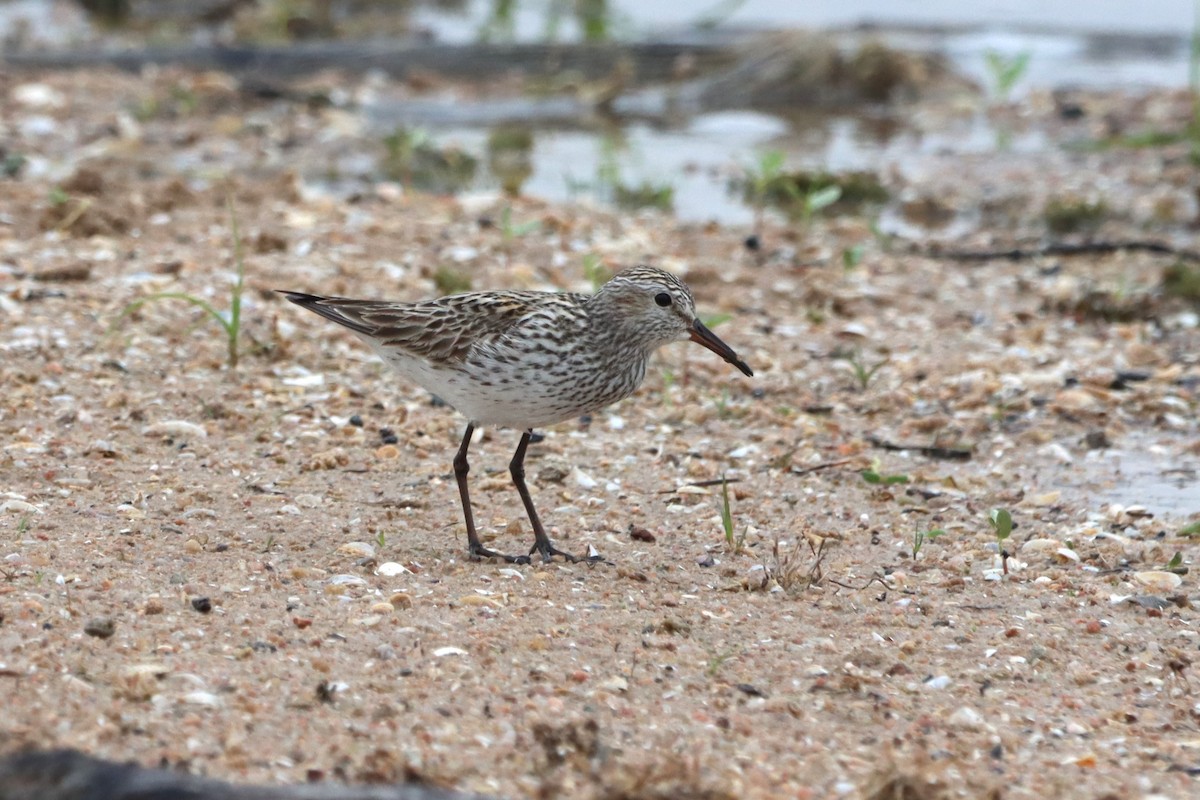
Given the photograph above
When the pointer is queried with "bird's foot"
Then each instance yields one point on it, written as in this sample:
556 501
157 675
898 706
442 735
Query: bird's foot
479 552
548 551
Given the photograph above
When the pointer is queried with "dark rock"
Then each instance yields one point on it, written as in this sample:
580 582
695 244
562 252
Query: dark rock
71 775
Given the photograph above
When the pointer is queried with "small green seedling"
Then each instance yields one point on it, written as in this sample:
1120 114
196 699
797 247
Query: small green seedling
852 257
873 476
722 405
500 26
669 379
818 200
1006 71
863 373
920 537
1176 563
734 543
1002 525
514 230
647 194
717 661
11 164
762 177
381 539
1192 529
231 324
883 240
24 525
595 271
450 281
713 320
1193 130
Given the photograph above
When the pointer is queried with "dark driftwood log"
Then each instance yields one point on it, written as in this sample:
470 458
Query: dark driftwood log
71 775
669 79
651 61
1062 249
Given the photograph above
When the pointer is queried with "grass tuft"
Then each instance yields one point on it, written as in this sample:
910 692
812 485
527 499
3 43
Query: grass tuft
231 324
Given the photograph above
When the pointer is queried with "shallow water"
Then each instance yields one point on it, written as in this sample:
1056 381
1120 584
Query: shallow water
1143 45
1151 474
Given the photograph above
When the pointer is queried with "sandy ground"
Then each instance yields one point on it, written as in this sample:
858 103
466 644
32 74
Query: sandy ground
235 573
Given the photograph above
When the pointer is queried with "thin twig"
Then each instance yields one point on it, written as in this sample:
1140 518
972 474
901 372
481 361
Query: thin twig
702 484
875 577
930 451
815 574
81 207
1062 249
818 467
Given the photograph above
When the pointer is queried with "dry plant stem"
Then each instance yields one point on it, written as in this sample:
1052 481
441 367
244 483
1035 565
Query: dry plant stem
81 207
814 573
702 484
826 465
930 451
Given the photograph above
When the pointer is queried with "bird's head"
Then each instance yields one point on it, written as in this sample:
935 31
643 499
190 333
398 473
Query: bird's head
655 307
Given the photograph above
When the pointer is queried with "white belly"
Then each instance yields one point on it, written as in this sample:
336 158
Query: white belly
510 396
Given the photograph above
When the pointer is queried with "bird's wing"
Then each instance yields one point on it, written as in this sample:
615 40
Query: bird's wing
445 330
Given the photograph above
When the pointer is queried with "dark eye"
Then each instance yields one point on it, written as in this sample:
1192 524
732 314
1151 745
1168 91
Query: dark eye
663 299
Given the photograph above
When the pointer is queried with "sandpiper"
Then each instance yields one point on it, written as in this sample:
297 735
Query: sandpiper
525 359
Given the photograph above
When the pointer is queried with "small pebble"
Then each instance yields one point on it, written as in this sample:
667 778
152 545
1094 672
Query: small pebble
357 550
202 604
207 699
617 683
552 473
640 534
938 682
966 718
1159 582
100 627
175 429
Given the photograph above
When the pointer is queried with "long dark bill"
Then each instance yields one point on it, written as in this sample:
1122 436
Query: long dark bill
702 335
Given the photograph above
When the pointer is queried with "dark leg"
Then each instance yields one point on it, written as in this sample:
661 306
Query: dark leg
461 468
542 543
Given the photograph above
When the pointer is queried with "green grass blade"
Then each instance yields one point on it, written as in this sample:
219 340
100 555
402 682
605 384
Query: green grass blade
726 514
200 303
233 329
